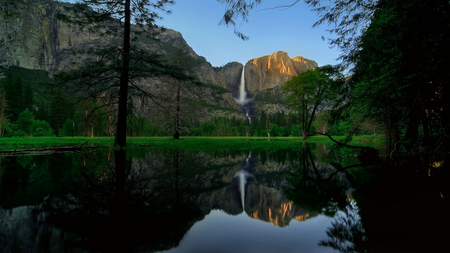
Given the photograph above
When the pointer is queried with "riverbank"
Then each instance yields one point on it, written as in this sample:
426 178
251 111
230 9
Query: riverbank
185 143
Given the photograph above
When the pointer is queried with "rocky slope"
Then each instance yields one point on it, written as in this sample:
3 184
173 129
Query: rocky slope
265 75
37 39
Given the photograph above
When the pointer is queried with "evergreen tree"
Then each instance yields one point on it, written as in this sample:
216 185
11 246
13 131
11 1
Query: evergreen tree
264 123
25 121
28 97
119 66
58 110
14 98
3 120
388 86
185 63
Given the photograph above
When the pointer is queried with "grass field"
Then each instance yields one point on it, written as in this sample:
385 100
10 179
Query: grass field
185 143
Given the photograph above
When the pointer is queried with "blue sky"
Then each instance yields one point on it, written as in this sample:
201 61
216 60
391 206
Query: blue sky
270 30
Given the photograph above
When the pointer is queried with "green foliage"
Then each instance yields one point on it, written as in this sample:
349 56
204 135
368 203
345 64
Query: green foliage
310 91
29 126
13 95
388 88
139 126
28 97
295 130
38 80
41 128
25 121
59 109
68 128
10 8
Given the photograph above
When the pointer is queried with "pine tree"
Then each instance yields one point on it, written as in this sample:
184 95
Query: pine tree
264 123
3 120
25 121
58 110
14 98
117 68
28 97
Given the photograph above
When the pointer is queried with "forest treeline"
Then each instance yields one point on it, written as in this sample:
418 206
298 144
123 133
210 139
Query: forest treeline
395 55
53 112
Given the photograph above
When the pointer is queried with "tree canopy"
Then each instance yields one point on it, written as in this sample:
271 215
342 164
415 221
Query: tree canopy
311 91
117 68
399 75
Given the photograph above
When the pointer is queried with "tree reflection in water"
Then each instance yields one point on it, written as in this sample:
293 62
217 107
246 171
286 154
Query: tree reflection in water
315 186
114 208
137 201
400 206
391 200
347 234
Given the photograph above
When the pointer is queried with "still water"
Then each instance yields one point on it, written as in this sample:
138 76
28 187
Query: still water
314 199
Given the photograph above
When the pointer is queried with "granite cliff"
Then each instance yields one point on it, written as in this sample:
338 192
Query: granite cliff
37 39
265 76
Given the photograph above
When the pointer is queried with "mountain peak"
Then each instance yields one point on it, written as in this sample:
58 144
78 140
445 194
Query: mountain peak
280 63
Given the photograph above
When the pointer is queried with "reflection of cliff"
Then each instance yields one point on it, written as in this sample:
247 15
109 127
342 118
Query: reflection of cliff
21 230
261 203
269 204
263 200
160 190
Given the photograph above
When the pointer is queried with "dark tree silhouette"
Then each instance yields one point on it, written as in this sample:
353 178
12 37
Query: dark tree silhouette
117 68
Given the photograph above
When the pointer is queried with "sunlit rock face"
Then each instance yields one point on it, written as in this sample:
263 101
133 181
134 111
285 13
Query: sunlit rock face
273 70
265 76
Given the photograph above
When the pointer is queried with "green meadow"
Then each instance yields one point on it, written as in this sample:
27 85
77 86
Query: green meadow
185 143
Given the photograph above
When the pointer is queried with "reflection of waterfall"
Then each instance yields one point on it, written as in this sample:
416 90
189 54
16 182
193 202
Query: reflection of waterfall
242 176
242 188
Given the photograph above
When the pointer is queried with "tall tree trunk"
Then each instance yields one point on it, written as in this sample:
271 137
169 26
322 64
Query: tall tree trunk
312 116
305 121
412 134
176 127
391 133
121 134
2 116
305 133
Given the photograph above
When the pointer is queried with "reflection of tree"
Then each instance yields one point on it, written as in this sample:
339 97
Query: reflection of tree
13 178
347 233
393 196
116 207
314 186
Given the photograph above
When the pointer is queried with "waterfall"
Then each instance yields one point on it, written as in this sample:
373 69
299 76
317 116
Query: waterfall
242 99
242 95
